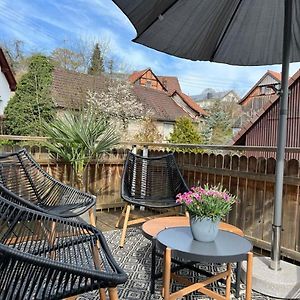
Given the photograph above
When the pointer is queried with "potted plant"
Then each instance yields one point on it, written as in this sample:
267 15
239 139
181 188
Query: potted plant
206 207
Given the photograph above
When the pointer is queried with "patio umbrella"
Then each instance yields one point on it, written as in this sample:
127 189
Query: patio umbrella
236 32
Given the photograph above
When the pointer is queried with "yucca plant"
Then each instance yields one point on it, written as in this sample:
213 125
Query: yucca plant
79 138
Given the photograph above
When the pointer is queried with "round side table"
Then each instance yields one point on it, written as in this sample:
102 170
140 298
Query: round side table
152 227
227 248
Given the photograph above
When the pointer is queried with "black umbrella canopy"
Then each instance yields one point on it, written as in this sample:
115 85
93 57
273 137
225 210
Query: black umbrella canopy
236 32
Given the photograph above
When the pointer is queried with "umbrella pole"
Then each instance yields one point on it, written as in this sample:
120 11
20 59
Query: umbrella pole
281 139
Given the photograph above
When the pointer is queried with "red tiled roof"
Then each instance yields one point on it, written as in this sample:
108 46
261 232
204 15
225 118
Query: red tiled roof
172 83
70 88
191 103
273 99
275 75
137 75
6 70
160 103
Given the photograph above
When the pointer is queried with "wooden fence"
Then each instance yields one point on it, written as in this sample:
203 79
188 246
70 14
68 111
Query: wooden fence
252 179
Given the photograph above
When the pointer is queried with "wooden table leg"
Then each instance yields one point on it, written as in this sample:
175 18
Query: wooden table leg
113 293
167 274
249 276
228 282
102 294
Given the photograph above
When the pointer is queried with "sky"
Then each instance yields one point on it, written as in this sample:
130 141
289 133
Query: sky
44 25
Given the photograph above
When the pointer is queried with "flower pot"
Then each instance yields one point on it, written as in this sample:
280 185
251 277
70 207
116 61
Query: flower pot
204 230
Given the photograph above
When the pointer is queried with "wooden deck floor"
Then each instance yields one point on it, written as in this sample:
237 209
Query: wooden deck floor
106 220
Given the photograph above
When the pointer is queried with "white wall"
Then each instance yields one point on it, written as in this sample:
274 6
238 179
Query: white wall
4 92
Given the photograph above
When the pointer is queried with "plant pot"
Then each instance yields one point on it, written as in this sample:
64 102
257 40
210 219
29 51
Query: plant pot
204 230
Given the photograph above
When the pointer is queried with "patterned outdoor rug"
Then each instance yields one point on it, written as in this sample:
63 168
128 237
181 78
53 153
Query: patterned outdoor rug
135 259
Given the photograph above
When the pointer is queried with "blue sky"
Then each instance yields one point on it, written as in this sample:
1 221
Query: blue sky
45 24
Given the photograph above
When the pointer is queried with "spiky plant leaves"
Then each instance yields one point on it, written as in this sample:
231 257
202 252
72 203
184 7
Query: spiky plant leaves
79 138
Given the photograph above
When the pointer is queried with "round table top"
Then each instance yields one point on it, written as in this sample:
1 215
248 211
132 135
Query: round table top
152 227
227 247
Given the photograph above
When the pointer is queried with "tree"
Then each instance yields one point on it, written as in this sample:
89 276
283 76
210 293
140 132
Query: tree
15 54
67 59
110 66
32 101
118 102
97 64
148 132
79 137
218 125
185 132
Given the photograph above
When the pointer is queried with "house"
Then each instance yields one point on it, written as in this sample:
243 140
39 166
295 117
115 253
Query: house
69 88
209 96
263 91
167 90
148 79
7 81
162 96
262 128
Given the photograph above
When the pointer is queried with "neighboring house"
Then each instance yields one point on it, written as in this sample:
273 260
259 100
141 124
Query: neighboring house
169 99
210 96
7 81
69 89
148 79
263 91
262 129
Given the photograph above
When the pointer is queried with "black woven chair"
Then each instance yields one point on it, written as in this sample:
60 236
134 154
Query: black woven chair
36 263
22 176
151 182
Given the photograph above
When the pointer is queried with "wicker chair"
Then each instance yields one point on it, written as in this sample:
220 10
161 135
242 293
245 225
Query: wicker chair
36 263
33 187
151 182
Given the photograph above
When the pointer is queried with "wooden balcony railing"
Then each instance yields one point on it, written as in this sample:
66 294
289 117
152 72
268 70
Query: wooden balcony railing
250 177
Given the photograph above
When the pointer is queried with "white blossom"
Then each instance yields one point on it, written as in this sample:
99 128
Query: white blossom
118 102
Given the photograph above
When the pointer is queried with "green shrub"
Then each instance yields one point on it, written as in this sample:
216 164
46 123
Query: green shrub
32 103
185 132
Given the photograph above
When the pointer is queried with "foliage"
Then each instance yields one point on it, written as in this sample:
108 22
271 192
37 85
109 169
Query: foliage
208 202
218 125
15 54
185 132
97 63
32 102
67 59
79 137
118 102
148 132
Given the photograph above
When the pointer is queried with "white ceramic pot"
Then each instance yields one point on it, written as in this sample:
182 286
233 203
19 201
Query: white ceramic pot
204 230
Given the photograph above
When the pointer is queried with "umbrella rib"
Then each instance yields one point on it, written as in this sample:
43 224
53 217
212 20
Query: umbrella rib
169 7
225 31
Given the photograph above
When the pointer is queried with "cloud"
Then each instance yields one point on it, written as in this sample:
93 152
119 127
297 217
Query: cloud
44 25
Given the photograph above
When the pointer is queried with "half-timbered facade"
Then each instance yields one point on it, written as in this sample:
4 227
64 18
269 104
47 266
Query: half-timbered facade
261 93
262 129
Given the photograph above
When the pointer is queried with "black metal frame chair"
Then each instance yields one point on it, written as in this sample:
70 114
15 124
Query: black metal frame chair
38 263
33 187
151 182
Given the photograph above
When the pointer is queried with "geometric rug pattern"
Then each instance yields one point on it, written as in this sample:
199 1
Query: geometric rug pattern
135 259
